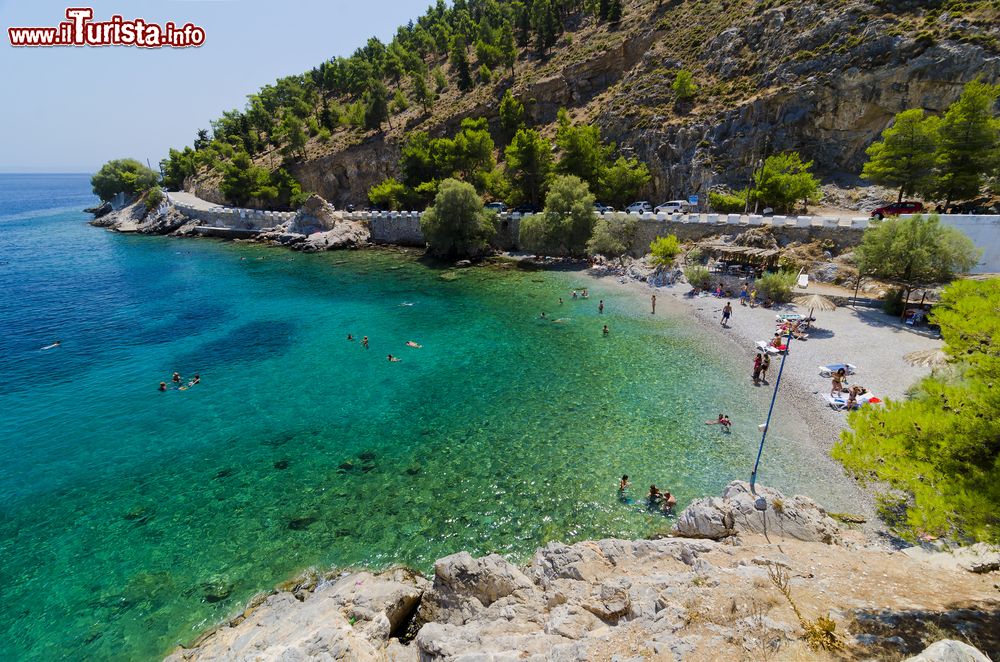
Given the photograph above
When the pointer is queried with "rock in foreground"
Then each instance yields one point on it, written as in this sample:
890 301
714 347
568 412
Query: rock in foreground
670 599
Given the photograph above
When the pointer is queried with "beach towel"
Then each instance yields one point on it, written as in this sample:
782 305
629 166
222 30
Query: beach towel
840 402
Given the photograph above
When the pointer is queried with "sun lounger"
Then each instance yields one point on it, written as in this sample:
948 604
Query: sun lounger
789 317
829 369
840 402
765 346
803 281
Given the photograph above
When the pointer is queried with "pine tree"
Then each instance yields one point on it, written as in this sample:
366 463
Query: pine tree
376 102
545 25
529 163
905 156
460 64
615 11
508 49
511 115
969 139
422 93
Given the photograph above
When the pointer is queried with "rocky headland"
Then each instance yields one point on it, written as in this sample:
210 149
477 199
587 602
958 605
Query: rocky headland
739 578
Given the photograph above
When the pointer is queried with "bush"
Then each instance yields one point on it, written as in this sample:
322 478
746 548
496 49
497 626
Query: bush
785 180
664 250
567 222
727 203
776 286
696 256
456 225
613 235
390 194
698 276
684 86
324 135
122 176
154 197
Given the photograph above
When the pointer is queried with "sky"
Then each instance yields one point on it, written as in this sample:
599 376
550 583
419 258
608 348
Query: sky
70 109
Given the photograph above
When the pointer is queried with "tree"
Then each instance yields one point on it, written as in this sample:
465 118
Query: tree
293 135
457 225
511 115
545 25
376 102
508 48
905 156
399 102
471 151
581 151
122 176
621 181
615 11
785 179
440 80
664 250
567 222
727 203
422 93
613 235
390 194
460 64
177 167
529 163
968 144
684 86
914 252
941 447
242 181
154 197
201 141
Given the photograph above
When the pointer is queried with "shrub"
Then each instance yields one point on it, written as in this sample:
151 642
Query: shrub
698 276
390 193
456 225
567 222
664 250
154 197
727 203
684 85
613 235
776 286
893 302
696 256
324 135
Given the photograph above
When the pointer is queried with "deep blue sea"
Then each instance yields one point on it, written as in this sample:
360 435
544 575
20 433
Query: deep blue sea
132 519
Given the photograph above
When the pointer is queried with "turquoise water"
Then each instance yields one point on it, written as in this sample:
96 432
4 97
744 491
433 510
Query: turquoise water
131 519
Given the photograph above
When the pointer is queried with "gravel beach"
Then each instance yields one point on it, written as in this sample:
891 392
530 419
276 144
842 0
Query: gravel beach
867 338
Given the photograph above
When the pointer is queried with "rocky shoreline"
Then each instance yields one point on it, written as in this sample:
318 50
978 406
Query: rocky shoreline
733 582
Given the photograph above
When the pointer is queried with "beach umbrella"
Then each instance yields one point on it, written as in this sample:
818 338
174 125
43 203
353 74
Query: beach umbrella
814 301
926 357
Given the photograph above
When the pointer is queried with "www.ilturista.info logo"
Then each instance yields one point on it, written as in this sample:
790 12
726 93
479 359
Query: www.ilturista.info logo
79 30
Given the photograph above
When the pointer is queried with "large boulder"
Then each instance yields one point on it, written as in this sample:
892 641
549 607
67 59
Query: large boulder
737 511
979 558
464 586
346 234
949 650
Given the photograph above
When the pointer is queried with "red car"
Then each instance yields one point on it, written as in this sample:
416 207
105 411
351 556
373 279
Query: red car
897 208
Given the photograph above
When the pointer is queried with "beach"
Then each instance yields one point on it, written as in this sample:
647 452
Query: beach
865 337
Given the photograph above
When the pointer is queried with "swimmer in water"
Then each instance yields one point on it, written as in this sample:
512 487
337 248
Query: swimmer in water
176 378
350 337
53 345
542 316
605 331
163 386
364 342
723 420
623 483
393 359
410 343
195 380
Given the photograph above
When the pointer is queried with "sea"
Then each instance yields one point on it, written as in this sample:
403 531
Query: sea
132 519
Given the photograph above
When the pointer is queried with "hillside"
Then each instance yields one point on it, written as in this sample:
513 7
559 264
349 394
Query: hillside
822 78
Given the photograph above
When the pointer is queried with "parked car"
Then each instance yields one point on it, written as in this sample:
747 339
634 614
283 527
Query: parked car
640 207
602 208
673 207
897 208
498 207
525 209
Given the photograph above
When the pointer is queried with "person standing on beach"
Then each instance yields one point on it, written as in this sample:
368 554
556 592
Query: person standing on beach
652 300
764 365
600 307
758 364
743 295
727 311
753 298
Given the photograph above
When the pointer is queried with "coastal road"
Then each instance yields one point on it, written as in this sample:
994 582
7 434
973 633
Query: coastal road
191 200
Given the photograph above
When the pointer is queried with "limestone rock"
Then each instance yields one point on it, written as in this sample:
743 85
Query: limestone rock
100 210
345 234
464 586
979 558
949 650
796 517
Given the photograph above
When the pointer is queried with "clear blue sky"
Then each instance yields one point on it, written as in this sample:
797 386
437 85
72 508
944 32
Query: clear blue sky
71 109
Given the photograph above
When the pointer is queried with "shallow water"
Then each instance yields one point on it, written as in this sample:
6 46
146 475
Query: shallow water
132 519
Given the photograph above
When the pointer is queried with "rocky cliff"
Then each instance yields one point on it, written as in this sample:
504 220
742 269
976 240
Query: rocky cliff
784 582
823 78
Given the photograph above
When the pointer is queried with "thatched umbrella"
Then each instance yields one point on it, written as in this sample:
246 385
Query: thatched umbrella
814 301
926 357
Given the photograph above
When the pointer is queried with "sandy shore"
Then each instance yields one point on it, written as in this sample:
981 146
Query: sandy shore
867 338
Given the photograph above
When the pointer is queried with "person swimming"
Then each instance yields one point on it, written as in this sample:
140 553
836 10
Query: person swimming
163 386
350 337
574 294
364 342
723 420
176 378
623 483
585 294
53 345
605 330
654 495
410 343
542 316
669 501
195 380
600 307
393 359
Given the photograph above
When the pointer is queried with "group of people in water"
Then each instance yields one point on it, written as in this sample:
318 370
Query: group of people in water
178 382
390 357
655 499
577 293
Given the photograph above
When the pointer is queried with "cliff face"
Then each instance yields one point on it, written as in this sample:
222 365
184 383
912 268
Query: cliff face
821 78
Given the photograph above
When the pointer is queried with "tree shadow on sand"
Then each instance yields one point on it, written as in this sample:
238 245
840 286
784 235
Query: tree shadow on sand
879 320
